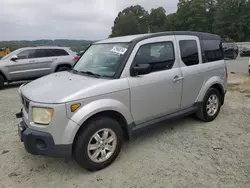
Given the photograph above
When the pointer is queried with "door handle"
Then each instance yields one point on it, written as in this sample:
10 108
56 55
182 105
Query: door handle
53 59
177 79
32 61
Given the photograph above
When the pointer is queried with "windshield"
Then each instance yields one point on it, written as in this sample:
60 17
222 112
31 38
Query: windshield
102 59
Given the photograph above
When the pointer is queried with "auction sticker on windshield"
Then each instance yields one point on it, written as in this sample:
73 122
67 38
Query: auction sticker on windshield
119 50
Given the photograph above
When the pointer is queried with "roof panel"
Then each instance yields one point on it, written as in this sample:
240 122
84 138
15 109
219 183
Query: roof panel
128 38
137 38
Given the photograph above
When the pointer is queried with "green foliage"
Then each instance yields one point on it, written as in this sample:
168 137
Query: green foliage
228 18
192 15
131 20
157 19
171 23
128 21
232 19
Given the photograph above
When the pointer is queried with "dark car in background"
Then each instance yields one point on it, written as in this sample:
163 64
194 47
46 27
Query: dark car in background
245 52
231 50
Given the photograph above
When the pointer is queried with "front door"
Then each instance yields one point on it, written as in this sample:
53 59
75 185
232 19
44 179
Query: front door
158 93
20 68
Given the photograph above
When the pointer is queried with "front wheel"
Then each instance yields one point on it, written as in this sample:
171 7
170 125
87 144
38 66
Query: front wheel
98 145
211 105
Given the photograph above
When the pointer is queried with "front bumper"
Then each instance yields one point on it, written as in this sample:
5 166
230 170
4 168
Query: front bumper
42 143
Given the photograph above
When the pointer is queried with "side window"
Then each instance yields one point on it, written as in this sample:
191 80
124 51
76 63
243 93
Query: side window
59 52
26 54
189 52
39 53
159 55
213 50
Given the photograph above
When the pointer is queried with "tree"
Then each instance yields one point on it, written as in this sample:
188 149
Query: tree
245 21
232 19
157 19
228 18
131 20
171 23
192 15
211 6
128 24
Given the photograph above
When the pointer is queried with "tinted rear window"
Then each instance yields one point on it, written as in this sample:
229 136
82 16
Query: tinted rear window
39 53
59 52
213 50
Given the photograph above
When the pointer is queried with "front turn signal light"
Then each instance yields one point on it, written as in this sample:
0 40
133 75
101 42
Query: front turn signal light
74 107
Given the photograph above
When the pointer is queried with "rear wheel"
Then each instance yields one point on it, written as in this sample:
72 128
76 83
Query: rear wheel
211 105
1 82
98 145
63 68
234 55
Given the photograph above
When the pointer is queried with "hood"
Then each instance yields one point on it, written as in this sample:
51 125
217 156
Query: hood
62 87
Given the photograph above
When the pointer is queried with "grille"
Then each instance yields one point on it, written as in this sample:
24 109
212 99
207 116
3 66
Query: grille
26 103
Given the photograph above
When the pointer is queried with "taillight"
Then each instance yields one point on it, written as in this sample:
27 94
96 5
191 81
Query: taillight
75 58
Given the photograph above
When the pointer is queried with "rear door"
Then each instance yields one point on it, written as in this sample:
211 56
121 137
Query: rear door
192 71
43 62
63 57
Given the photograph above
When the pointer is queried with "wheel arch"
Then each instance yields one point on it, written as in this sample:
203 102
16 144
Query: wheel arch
214 82
104 107
117 116
3 75
63 65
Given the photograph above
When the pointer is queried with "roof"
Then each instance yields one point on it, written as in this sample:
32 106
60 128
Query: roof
127 38
43 47
137 38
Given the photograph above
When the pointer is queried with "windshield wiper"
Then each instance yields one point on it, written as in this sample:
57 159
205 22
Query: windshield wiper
91 73
74 71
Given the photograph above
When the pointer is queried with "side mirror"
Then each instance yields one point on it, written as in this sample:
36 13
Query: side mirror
140 69
14 58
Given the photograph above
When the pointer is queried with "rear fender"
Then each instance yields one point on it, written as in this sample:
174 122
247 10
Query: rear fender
209 83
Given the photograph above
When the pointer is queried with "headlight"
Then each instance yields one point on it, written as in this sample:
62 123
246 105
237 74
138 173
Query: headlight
42 115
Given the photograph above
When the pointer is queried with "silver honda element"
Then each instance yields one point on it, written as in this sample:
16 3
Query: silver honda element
118 87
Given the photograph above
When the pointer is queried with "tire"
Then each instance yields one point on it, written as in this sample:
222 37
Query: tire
203 113
235 55
63 68
1 82
81 153
249 71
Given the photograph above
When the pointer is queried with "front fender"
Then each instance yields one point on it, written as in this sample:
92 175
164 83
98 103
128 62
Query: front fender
210 82
101 105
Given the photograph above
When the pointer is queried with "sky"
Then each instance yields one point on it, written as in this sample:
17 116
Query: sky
65 19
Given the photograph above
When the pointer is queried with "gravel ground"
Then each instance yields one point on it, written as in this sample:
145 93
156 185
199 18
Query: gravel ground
183 153
240 65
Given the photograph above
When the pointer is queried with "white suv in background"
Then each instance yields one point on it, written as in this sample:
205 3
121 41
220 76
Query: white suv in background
34 62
